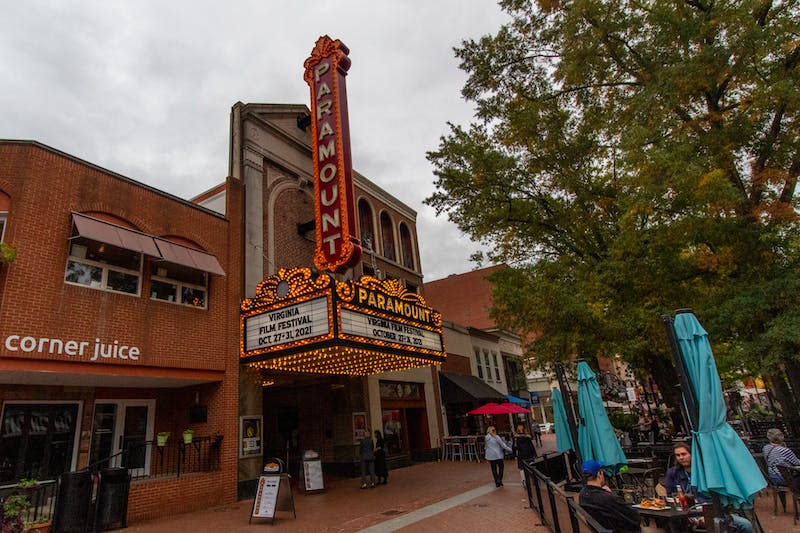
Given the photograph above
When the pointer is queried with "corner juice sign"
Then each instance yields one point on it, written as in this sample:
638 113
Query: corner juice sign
337 247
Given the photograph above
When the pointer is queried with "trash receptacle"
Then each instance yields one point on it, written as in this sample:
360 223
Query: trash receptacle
73 502
112 499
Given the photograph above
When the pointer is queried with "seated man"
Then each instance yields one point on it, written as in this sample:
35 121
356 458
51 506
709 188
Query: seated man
597 500
680 475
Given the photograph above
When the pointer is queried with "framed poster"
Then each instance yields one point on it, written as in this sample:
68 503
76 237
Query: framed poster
359 427
250 436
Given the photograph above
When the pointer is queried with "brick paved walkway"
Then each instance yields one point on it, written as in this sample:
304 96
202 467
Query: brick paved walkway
427 497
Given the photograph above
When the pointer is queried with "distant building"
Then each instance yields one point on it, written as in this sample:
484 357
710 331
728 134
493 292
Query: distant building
495 355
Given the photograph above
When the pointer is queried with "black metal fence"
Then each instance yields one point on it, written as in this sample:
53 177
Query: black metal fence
39 499
175 458
557 509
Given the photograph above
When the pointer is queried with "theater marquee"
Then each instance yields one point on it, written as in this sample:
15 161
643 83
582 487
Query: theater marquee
301 323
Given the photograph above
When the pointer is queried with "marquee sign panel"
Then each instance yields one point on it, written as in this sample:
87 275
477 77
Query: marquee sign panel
289 324
301 323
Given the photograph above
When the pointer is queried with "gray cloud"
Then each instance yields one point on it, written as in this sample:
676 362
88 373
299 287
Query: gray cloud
145 88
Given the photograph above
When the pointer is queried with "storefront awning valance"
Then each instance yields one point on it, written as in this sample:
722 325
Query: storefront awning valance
99 230
183 255
459 388
518 401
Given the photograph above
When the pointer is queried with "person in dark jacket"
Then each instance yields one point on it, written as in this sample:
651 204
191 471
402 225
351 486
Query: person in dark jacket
597 500
381 471
367 461
523 449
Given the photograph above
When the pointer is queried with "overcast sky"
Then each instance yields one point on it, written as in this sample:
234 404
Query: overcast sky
144 88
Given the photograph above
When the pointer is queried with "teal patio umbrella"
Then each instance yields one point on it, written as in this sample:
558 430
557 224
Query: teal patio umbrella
596 437
721 463
563 434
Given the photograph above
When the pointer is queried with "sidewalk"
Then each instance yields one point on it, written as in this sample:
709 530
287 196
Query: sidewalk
426 497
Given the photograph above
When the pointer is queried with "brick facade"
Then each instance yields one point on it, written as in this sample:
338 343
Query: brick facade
186 354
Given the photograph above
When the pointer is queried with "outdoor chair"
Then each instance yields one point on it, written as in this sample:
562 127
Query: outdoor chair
778 491
651 478
578 516
471 449
788 474
455 449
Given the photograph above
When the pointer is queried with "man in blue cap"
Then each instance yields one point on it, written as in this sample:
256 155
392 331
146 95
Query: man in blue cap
597 499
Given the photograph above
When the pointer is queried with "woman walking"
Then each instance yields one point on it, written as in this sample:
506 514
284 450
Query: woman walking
381 471
494 454
523 450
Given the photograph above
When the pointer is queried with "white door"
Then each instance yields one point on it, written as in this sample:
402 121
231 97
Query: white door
120 434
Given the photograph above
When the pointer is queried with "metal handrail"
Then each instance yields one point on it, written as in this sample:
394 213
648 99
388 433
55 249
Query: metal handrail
174 458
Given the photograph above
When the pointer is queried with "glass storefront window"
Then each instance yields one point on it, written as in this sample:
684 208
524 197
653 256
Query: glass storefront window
37 440
393 431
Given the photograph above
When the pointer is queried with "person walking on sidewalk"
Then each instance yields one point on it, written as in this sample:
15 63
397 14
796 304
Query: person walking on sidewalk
367 461
381 471
494 454
523 449
537 432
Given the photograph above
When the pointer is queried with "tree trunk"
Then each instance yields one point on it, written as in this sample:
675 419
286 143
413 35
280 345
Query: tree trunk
780 389
793 374
665 377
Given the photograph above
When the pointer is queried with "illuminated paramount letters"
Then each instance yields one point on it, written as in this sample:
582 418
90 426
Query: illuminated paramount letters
337 247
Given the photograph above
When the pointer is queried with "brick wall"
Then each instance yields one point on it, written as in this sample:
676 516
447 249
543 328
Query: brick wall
175 341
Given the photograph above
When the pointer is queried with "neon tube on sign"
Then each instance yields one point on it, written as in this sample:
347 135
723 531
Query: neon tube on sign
337 247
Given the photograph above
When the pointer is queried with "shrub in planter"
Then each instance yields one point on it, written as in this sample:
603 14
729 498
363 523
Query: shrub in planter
13 511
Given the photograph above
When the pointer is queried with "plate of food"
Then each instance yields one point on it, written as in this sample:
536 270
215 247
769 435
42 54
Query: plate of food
656 504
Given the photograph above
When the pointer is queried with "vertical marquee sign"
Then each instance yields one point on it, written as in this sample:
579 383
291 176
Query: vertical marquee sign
325 70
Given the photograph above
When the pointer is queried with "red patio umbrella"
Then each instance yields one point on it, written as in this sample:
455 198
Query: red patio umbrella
514 409
497 409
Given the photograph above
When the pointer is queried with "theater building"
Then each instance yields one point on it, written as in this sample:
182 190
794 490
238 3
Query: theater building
118 322
326 411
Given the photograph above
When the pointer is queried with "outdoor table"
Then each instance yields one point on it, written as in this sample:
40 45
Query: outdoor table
644 462
675 519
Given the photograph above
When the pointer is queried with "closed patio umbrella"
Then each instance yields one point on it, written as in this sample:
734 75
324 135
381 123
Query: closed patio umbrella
563 434
596 437
721 463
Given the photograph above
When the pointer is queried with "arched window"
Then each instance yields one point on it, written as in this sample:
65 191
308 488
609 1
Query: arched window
387 237
366 225
406 246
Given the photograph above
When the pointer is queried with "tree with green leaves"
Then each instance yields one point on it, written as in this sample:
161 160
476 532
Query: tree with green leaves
631 158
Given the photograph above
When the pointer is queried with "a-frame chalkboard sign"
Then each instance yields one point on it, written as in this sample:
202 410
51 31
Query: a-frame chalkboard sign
274 493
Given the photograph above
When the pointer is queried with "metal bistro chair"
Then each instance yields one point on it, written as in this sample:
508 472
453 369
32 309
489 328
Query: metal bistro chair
778 491
788 474
471 449
455 449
